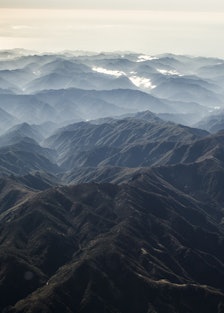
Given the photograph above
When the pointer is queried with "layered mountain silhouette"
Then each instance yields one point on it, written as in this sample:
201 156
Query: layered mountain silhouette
111 183
34 86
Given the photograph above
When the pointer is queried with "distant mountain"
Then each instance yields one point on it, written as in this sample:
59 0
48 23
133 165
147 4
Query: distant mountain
213 123
18 132
18 77
6 85
64 74
183 118
91 104
128 142
212 71
6 120
72 87
134 100
186 89
27 108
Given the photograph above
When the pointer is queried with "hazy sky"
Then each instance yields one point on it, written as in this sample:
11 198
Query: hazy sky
156 26
198 5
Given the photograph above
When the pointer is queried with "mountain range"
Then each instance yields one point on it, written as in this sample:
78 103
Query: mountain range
111 183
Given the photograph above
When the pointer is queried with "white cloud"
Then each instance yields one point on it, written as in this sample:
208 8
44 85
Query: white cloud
108 72
143 58
142 82
169 72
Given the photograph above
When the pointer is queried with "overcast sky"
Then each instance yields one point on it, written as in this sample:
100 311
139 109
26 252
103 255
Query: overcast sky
149 26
